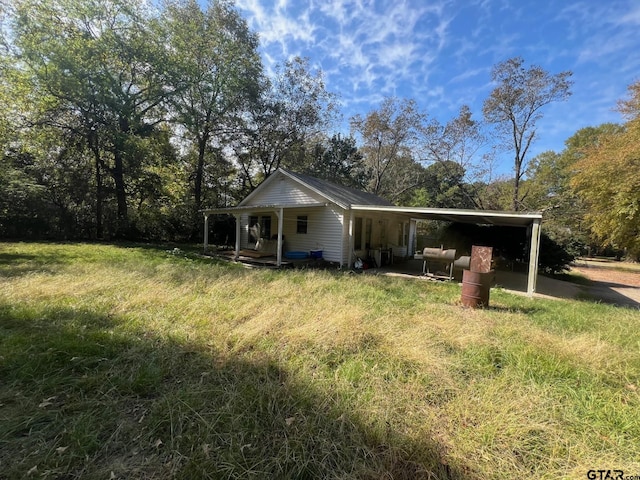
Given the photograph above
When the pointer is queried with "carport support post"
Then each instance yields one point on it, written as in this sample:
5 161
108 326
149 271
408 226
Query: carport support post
206 232
533 257
412 244
280 215
237 254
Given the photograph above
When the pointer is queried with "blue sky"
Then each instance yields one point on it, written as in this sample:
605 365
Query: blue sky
440 52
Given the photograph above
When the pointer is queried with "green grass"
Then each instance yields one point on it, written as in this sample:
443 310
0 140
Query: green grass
141 362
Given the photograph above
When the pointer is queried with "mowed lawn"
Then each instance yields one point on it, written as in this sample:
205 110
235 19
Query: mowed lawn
121 362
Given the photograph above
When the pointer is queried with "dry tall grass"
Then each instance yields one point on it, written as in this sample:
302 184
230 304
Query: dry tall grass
139 363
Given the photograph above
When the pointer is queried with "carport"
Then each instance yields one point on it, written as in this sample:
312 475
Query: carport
529 220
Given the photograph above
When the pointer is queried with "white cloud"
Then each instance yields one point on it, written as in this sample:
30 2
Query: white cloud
440 52
632 17
277 25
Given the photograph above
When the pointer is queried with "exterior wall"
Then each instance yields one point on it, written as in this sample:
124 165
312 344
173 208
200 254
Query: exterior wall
324 231
328 230
346 241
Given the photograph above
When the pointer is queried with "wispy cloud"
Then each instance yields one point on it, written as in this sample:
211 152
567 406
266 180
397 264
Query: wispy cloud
374 47
440 52
632 17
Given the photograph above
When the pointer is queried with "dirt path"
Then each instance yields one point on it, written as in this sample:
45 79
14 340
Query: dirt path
612 282
598 271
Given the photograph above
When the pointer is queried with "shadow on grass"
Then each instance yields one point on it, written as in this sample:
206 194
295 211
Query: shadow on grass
520 309
605 292
83 397
19 264
55 256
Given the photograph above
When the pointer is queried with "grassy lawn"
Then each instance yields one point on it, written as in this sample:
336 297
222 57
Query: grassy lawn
136 362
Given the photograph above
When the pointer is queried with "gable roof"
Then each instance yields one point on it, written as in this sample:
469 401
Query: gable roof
342 196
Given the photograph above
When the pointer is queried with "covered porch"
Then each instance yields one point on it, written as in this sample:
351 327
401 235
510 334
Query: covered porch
273 254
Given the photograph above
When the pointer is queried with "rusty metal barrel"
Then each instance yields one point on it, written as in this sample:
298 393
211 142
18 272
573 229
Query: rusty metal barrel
476 282
475 288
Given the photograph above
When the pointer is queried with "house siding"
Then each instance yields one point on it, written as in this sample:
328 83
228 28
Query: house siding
327 230
284 191
324 231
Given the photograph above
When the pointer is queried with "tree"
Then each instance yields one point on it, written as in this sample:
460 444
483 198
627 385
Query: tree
401 185
97 70
458 146
389 138
217 77
516 104
294 109
337 160
549 189
607 179
444 186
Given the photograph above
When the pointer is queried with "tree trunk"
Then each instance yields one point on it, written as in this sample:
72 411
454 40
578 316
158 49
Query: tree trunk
516 194
99 226
93 145
517 170
197 187
121 194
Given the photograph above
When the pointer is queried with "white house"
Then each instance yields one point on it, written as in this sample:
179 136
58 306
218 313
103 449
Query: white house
290 213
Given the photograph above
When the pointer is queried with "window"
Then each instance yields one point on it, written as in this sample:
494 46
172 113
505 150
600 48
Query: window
266 226
259 227
302 224
357 234
362 229
403 234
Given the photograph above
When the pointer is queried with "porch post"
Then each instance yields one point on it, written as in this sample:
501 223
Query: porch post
280 215
206 232
351 240
237 254
533 257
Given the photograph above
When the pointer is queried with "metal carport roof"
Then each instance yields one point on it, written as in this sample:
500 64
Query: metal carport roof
478 217
529 220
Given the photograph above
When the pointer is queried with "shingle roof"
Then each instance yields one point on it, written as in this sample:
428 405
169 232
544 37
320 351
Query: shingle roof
343 196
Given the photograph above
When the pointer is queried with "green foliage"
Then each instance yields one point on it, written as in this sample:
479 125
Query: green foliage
515 106
217 71
388 136
294 109
19 198
98 76
443 187
337 160
96 73
556 257
607 179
